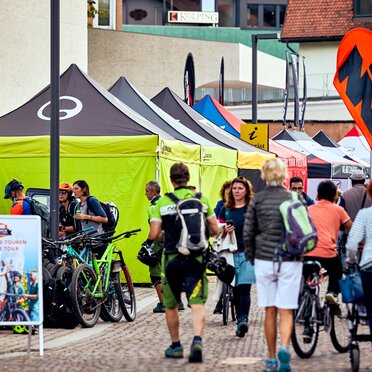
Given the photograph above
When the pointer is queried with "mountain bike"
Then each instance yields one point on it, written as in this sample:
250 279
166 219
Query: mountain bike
105 281
311 315
228 303
11 312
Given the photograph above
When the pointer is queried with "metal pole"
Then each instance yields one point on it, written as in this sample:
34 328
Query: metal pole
255 39
54 122
254 79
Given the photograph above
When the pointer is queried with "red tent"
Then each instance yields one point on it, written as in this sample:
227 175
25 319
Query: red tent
295 161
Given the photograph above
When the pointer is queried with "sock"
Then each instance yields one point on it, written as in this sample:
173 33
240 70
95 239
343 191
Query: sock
176 344
197 339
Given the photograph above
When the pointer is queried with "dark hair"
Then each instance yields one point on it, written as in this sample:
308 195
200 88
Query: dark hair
224 186
295 179
179 173
230 203
84 186
327 190
154 186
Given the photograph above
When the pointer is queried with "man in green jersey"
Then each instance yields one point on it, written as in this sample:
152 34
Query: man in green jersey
181 272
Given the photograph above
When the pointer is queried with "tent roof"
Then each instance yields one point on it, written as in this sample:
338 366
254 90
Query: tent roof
285 152
128 94
86 109
355 143
324 140
300 141
219 115
177 108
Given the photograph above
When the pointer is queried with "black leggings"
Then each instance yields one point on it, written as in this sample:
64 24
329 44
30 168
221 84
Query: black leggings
242 298
334 270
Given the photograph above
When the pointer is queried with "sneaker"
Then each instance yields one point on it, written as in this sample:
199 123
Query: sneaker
284 358
159 308
176 352
271 365
196 352
242 326
331 298
181 306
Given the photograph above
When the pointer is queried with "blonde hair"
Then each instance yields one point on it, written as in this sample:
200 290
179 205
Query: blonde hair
274 172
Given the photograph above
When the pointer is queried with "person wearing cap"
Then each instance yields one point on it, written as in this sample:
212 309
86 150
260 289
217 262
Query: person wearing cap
356 198
21 203
67 204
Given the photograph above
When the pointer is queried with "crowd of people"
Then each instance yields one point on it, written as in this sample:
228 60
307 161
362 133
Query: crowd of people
256 222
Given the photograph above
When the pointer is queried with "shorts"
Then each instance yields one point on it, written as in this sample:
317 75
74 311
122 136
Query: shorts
278 289
155 271
244 270
184 273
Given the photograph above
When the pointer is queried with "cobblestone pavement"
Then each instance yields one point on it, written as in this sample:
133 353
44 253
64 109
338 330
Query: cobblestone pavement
139 346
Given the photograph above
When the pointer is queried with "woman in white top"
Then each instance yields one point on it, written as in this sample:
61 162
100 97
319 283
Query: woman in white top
362 232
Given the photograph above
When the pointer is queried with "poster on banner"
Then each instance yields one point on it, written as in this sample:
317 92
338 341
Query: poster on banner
20 270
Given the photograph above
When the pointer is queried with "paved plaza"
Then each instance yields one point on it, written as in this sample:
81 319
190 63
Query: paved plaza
139 346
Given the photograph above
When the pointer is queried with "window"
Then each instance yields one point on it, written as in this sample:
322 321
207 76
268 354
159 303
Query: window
252 15
265 13
106 14
363 8
227 13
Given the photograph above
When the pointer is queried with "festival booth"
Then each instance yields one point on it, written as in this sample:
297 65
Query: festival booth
217 161
295 161
177 108
324 140
355 143
219 115
249 165
102 141
322 163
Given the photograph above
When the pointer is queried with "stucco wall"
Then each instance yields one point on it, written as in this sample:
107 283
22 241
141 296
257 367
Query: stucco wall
25 46
151 62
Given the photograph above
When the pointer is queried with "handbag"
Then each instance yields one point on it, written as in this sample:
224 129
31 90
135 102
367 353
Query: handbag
351 287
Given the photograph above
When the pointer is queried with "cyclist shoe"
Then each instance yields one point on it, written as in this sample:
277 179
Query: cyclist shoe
271 365
181 306
174 352
284 358
307 335
242 326
331 298
159 308
196 352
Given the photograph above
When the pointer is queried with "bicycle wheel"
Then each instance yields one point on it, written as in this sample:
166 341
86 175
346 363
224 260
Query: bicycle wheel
65 273
340 335
232 304
354 354
225 303
46 274
305 330
126 295
86 306
19 315
110 308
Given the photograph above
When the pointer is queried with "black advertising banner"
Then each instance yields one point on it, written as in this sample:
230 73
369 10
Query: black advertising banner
295 86
221 83
189 80
304 97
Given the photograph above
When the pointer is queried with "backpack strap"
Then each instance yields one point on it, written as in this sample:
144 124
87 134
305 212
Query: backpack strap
172 197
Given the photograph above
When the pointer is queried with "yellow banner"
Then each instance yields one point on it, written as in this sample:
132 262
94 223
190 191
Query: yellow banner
256 135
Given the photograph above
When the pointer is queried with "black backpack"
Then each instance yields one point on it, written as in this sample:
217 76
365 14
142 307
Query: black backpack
42 210
112 213
191 225
58 311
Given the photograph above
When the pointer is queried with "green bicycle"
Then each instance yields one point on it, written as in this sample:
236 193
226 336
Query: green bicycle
105 281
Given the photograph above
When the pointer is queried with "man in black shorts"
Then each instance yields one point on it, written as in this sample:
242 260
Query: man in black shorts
181 272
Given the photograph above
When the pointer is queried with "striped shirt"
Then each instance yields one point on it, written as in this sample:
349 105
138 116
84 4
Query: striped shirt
362 230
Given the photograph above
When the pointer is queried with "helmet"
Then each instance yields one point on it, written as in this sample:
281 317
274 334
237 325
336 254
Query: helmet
147 255
224 271
16 273
65 186
13 185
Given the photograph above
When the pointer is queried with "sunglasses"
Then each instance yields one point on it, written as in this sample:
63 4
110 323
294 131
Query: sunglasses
297 188
63 192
